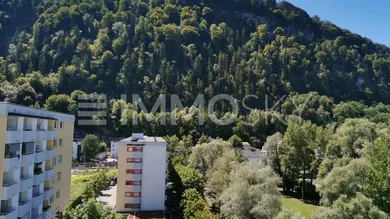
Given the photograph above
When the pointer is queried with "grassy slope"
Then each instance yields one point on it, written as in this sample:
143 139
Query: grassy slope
297 205
78 182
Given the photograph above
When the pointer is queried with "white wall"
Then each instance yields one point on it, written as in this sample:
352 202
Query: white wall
114 150
153 176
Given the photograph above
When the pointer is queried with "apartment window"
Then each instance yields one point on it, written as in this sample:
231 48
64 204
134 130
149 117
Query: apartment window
134 160
60 142
55 124
54 161
133 183
59 176
133 171
132 206
58 193
59 159
132 194
61 125
135 149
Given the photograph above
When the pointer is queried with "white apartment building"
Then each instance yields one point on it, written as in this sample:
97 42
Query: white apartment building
35 162
141 184
76 151
114 150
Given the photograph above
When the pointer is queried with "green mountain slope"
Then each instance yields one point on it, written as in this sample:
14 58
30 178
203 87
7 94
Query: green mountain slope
149 47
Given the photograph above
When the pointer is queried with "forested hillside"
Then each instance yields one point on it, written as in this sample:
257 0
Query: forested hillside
186 47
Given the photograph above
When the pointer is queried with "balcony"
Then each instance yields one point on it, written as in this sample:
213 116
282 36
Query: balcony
12 137
37 200
9 190
36 216
11 162
50 154
25 182
8 213
24 208
51 135
42 135
39 176
28 159
47 193
49 174
47 213
40 156
29 136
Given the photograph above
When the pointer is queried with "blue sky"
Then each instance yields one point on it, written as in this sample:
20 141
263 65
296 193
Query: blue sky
368 18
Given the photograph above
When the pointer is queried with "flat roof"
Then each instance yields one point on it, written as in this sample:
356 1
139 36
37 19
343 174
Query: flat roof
12 109
144 139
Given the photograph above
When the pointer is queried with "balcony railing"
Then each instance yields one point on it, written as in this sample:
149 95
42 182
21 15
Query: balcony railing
44 209
5 211
8 184
47 189
38 171
12 129
23 202
36 194
24 177
11 154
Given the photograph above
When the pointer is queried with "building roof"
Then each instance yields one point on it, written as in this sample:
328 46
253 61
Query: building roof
144 139
25 111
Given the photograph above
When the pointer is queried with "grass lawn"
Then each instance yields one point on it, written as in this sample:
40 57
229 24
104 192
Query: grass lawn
296 205
78 181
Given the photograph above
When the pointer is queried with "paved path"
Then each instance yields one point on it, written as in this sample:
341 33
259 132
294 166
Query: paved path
108 197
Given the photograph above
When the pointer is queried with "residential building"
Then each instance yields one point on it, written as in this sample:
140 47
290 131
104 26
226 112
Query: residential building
35 162
141 183
114 150
76 155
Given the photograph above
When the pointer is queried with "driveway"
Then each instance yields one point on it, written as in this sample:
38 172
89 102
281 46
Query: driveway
108 197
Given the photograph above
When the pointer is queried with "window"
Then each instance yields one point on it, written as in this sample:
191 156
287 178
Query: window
59 176
133 171
59 159
58 194
55 124
60 142
61 125
54 161
134 160
132 206
132 194
135 149
133 183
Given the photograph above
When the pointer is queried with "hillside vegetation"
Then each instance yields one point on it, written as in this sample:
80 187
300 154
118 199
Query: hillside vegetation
187 47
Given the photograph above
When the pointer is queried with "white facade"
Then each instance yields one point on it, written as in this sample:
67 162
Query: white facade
114 150
75 152
142 174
